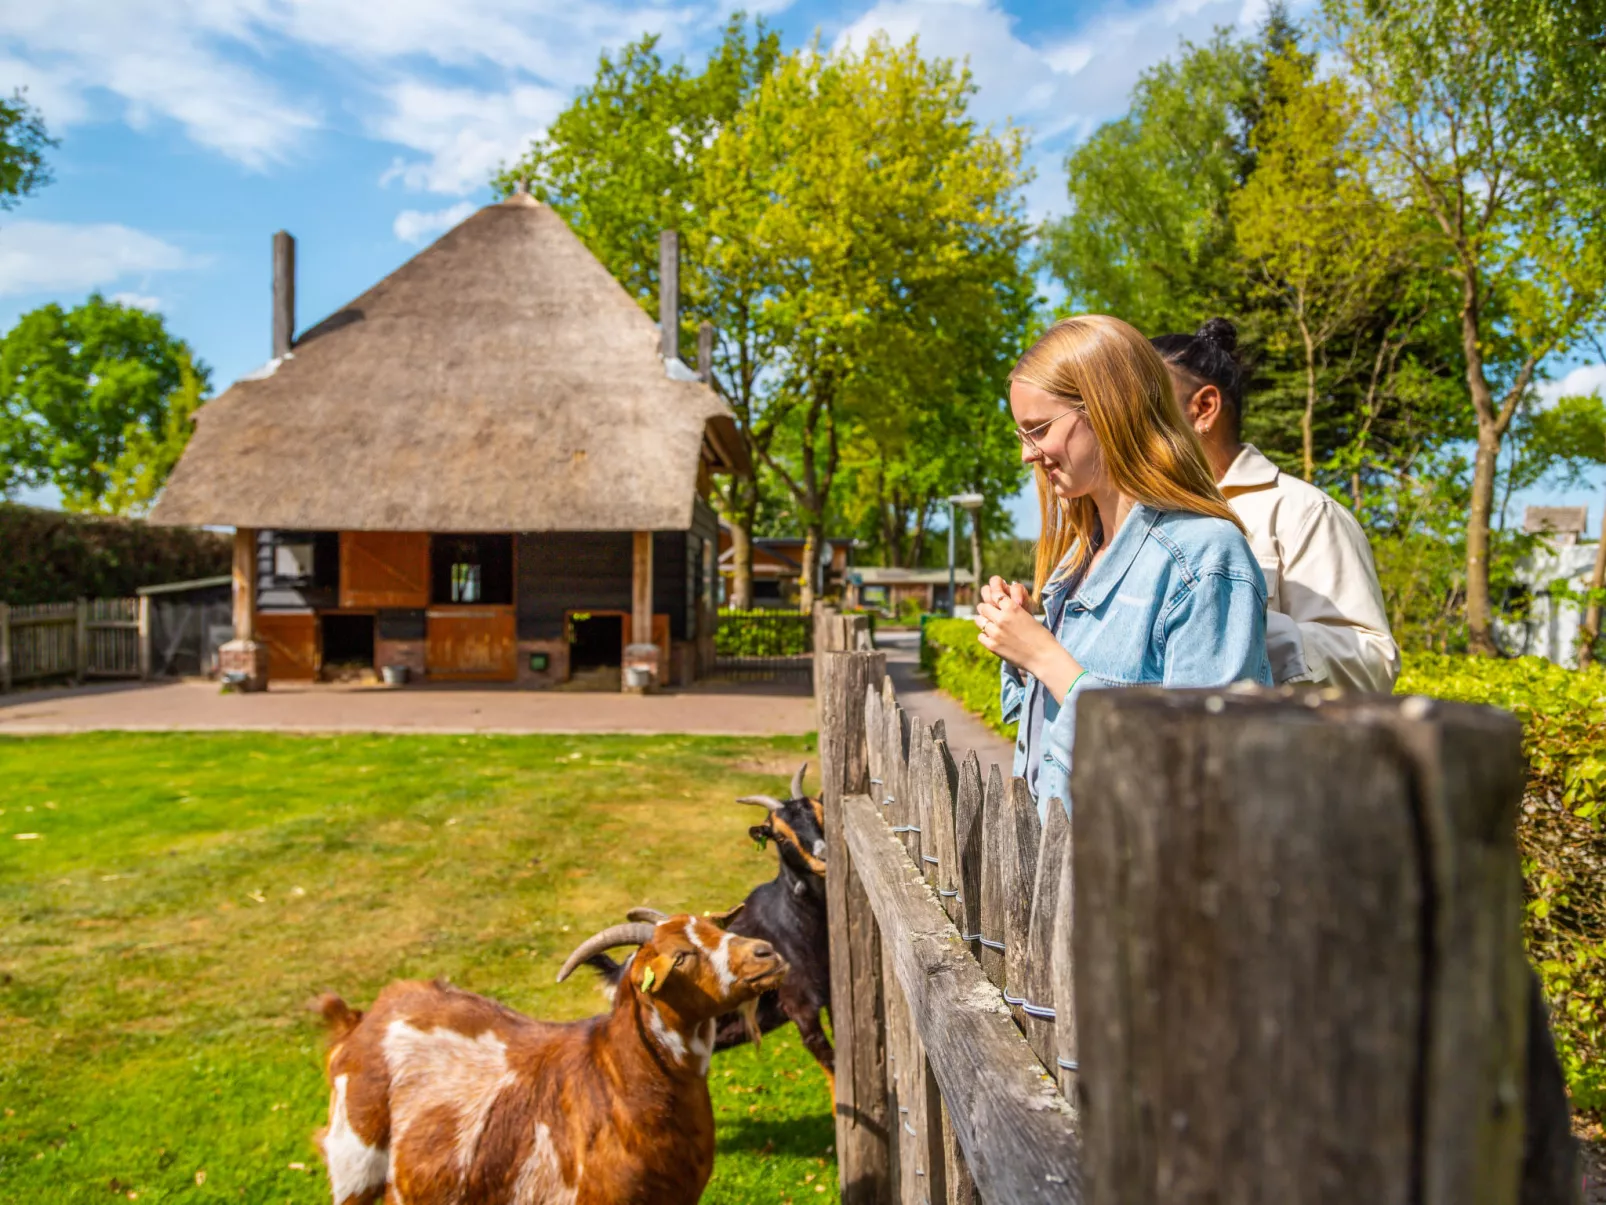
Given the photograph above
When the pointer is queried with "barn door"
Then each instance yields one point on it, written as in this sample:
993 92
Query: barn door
384 569
292 640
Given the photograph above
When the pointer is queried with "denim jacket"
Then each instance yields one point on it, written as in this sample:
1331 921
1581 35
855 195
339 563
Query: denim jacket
1177 600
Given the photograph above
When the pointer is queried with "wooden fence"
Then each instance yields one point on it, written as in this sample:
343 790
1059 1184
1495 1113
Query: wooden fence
1276 957
99 638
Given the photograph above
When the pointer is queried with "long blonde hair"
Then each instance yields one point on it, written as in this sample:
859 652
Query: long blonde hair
1107 370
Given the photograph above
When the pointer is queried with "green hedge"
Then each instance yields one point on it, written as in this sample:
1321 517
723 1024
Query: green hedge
763 633
1561 831
50 556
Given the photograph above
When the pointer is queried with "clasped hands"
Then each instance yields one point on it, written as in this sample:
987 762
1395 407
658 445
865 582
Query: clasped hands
1010 630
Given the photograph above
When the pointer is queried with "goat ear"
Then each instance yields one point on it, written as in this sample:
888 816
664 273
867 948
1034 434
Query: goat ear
655 972
723 919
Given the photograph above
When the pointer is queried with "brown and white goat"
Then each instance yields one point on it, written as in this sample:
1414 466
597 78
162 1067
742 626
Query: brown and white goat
442 1097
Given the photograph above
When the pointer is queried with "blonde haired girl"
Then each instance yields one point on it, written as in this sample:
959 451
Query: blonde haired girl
1143 571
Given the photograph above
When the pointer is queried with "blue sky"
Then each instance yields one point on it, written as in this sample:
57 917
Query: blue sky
192 129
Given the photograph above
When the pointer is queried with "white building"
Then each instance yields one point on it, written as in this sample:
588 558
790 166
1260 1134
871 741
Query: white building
1551 630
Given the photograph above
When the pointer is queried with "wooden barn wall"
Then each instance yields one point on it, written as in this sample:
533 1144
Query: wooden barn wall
562 571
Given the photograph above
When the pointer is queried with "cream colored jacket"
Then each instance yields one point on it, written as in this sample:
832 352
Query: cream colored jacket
1325 620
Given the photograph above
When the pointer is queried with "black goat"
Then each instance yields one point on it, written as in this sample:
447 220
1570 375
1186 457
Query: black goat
789 913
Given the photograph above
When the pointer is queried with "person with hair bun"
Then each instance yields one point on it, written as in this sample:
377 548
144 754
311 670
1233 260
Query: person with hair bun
1325 619
1143 571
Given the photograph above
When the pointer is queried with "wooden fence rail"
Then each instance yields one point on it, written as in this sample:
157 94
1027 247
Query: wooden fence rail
1275 958
91 638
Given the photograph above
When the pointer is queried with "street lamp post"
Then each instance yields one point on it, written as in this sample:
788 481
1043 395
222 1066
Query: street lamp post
972 503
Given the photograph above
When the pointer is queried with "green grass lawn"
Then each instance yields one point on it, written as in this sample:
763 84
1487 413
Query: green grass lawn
184 895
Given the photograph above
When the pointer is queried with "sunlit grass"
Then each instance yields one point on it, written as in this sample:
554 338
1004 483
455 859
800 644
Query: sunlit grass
182 896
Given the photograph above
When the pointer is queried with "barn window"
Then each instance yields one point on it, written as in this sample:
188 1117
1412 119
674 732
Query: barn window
469 569
302 560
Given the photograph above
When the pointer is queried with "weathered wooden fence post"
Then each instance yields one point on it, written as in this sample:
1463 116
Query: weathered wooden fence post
857 1013
81 639
143 635
5 646
1298 964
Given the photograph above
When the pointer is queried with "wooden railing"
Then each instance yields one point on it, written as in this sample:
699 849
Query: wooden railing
1276 957
91 638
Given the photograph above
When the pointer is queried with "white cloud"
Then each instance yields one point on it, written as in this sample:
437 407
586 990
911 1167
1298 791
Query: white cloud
165 61
415 225
61 257
140 301
1585 379
210 66
465 134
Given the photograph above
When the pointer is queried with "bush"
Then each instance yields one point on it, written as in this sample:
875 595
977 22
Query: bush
1559 834
1561 830
52 556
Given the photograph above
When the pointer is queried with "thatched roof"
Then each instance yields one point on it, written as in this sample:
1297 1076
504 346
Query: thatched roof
500 380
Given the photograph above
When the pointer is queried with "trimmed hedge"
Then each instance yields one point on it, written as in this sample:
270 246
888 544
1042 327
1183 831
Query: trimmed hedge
763 633
51 556
1561 831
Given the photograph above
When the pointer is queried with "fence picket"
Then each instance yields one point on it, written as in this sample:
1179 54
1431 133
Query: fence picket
1036 983
967 847
1022 837
961 1189
993 857
1067 1060
919 791
944 786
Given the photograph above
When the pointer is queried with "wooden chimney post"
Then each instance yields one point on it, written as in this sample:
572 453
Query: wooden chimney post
284 294
705 352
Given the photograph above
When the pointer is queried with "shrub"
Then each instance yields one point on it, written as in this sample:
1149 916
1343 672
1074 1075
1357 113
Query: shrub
52 556
1561 829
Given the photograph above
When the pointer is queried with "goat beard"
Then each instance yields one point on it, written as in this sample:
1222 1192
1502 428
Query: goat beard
749 1015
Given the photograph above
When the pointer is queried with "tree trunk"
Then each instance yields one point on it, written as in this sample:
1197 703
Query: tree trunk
809 584
1307 421
1480 622
1589 630
741 568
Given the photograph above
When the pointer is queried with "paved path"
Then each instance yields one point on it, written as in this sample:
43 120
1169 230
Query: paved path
921 698
187 706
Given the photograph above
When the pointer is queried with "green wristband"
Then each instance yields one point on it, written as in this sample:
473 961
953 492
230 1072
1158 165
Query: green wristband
1072 686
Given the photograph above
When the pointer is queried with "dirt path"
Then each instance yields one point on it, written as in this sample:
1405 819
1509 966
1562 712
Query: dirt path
190 706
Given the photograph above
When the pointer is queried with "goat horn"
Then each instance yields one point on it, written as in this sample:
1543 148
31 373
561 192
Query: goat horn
650 915
763 801
615 935
797 781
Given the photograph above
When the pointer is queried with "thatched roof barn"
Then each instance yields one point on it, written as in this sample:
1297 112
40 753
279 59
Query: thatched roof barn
492 464
500 380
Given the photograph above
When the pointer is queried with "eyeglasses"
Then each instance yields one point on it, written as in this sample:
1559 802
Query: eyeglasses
1028 439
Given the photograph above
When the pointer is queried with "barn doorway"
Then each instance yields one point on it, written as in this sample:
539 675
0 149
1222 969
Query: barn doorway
348 645
596 649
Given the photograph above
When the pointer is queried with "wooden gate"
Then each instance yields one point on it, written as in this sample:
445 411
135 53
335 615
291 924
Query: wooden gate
1276 958
90 638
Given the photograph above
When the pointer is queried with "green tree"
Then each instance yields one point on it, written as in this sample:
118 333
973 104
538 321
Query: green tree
1486 117
626 161
1149 236
148 456
23 140
77 385
1324 246
887 230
